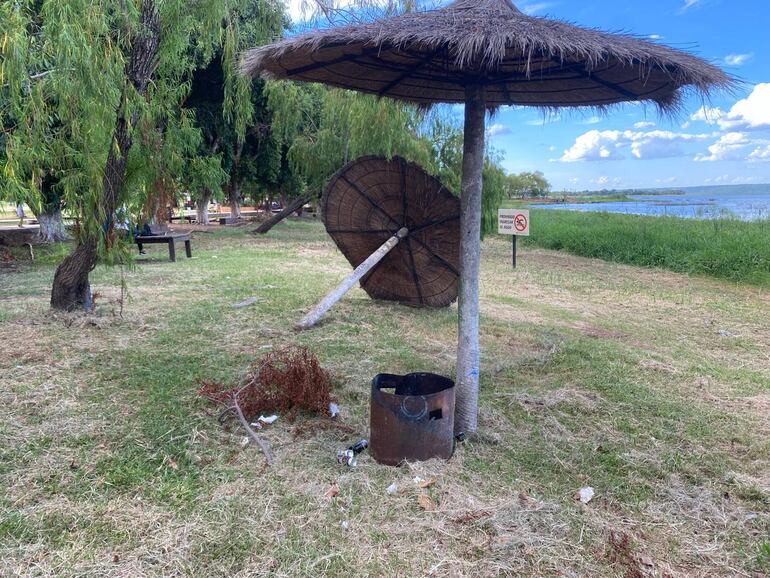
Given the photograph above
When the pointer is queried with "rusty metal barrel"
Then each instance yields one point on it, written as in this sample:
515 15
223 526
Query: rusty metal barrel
412 418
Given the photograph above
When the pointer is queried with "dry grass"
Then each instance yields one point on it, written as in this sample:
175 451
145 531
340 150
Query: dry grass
594 374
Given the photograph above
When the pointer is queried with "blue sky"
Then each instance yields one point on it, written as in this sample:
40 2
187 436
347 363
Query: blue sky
631 147
725 142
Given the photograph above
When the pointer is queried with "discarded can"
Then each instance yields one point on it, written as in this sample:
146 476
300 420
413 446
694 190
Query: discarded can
347 457
359 447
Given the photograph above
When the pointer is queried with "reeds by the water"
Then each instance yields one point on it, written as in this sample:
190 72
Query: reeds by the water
726 248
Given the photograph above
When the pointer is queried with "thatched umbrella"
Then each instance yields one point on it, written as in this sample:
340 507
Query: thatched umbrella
368 201
399 228
486 53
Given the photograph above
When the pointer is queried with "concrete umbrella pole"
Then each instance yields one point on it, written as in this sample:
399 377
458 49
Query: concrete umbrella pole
468 356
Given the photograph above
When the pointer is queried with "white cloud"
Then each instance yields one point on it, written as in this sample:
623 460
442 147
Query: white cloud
592 120
708 115
605 145
689 4
594 146
738 59
760 154
498 130
730 147
655 37
667 181
603 181
536 7
644 124
753 112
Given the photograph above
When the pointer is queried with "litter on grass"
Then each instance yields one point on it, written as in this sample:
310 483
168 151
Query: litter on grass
585 495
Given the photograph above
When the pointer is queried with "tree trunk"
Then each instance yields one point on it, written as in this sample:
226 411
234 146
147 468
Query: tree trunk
51 227
234 194
71 288
275 219
202 205
234 199
467 390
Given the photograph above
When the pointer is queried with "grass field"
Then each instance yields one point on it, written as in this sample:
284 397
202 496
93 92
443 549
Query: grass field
724 248
650 386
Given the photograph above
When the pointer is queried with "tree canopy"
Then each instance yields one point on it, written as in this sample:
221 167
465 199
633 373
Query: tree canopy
527 185
131 104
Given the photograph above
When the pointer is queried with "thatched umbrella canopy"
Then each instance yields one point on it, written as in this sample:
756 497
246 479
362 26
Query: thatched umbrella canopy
486 53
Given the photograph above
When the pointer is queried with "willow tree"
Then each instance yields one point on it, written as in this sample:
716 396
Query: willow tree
445 135
81 81
323 129
231 110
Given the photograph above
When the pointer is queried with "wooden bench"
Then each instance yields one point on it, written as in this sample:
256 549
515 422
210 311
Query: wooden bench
169 240
188 218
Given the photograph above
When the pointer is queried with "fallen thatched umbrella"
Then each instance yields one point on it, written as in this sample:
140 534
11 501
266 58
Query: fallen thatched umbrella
485 54
399 228
371 199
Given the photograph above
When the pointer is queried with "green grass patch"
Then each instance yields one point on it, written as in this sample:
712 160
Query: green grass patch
113 465
725 248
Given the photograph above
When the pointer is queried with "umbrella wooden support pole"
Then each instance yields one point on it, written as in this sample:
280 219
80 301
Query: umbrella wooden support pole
328 302
467 391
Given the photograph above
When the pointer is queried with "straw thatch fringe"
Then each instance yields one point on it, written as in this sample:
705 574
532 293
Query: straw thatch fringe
427 57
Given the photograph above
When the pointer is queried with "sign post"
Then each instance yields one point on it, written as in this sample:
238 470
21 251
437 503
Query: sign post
513 222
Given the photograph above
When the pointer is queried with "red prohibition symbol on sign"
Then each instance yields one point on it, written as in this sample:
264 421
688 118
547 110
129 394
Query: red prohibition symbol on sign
520 222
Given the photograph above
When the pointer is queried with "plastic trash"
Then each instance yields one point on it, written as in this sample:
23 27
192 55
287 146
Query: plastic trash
585 495
245 303
358 447
347 457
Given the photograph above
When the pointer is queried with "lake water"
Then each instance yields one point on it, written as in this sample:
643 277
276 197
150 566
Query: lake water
747 202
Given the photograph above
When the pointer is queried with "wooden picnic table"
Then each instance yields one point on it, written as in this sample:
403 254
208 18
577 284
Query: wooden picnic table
168 239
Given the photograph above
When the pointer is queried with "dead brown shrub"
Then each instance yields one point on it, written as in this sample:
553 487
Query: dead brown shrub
285 381
620 552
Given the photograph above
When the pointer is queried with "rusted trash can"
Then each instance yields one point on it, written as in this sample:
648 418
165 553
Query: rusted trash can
412 418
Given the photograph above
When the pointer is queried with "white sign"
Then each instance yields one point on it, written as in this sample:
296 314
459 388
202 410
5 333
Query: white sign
513 222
